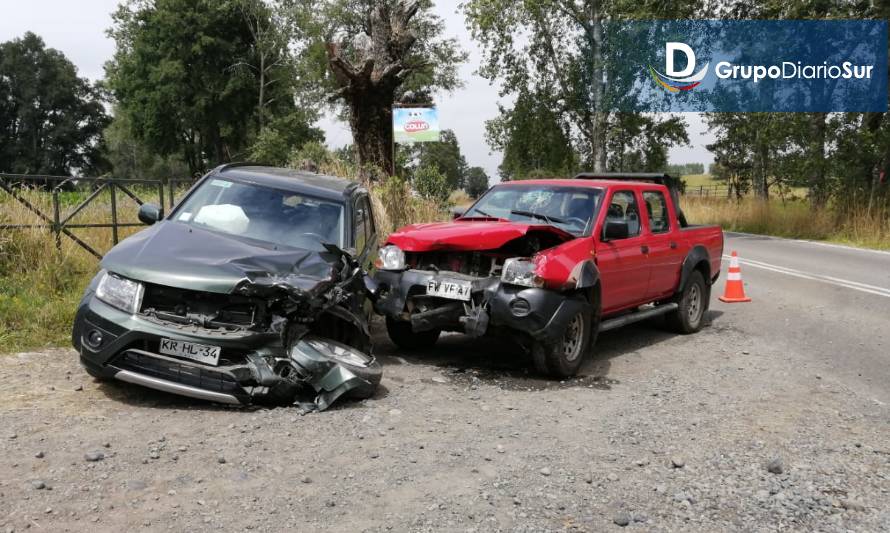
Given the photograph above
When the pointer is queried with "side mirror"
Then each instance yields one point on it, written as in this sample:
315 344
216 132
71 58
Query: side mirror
149 214
615 229
458 211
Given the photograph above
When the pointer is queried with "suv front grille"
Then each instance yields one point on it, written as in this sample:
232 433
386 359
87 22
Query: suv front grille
151 365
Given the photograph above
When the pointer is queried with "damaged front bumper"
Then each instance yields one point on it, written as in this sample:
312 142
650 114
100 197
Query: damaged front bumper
539 313
254 367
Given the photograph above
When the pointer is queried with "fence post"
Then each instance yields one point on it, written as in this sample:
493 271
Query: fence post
57 224
161 197
171 190
111 188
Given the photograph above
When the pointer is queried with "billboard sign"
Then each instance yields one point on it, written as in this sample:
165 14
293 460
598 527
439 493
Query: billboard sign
415 124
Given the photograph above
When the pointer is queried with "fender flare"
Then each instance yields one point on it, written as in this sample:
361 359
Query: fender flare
585 275
698 254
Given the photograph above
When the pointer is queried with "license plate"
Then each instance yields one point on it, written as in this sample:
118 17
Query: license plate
191 350
444 288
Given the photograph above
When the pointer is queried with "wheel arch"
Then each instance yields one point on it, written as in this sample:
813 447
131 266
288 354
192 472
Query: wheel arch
698 259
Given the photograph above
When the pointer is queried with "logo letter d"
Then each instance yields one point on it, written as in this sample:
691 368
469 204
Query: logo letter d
669 49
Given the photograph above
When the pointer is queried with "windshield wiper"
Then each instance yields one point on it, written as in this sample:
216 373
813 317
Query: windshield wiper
481 212
540 216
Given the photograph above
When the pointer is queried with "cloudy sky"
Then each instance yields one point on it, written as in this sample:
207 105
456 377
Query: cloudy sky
77 28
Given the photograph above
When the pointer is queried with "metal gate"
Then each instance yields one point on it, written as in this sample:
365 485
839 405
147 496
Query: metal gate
15 184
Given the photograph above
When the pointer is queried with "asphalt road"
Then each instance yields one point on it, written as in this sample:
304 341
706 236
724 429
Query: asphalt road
829 303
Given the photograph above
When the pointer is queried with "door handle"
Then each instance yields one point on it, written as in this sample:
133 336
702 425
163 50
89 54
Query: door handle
673 245
644 249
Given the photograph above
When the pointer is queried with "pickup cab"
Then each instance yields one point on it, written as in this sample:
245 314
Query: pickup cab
551 263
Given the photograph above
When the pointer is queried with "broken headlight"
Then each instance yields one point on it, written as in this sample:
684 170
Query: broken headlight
122 293
390 258
520 271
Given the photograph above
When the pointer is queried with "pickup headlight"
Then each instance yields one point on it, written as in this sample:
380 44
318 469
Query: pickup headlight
122 293
391 258
519 271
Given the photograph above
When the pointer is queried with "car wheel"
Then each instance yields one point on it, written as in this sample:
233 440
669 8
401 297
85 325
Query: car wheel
563 358
693 302
404 337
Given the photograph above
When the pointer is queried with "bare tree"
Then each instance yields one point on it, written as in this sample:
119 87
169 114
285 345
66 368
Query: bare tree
368 81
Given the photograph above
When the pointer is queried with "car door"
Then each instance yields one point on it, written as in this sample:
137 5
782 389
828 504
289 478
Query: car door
665 259
365 232
365 240
623 263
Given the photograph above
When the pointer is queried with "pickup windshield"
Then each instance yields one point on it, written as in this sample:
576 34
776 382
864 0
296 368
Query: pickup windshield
264 214
569 208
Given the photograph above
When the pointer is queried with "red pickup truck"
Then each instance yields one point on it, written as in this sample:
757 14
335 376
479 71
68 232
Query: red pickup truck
551 263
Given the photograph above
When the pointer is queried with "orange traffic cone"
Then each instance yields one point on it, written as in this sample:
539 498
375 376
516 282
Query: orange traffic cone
735 289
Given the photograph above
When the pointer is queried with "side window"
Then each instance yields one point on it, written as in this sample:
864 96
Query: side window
624 208
363 223
656 207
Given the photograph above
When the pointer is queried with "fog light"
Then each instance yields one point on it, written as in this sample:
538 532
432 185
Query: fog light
520 307
94 338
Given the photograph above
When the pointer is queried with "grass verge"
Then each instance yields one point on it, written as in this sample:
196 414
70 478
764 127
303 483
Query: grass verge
793 219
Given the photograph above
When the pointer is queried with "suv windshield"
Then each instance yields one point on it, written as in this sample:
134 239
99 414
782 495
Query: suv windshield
262 213
569 208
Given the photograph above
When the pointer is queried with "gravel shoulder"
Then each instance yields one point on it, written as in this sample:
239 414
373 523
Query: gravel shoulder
720 431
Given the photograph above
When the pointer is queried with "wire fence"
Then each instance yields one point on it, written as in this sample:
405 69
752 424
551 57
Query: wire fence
708 191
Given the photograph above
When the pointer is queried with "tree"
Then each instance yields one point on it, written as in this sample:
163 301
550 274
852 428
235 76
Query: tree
195 76
51 121
553 51
637 143
431 184
476 182
533 138
368 54
445 157
131 159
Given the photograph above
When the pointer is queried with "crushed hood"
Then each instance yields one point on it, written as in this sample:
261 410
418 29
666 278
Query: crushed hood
466 235
178 255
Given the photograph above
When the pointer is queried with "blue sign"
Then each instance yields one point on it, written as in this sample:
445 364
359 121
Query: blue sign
745 66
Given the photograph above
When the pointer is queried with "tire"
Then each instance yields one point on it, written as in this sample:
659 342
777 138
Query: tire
563 358
693 303
404 337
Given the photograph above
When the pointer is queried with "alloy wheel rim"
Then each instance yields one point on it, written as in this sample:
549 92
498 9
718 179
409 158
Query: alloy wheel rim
574 335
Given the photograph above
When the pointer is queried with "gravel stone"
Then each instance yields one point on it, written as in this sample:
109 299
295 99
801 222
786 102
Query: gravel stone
776 466
621 519
93 457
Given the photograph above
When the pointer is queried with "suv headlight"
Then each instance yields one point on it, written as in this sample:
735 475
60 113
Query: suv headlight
122 293
520 271
390 258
